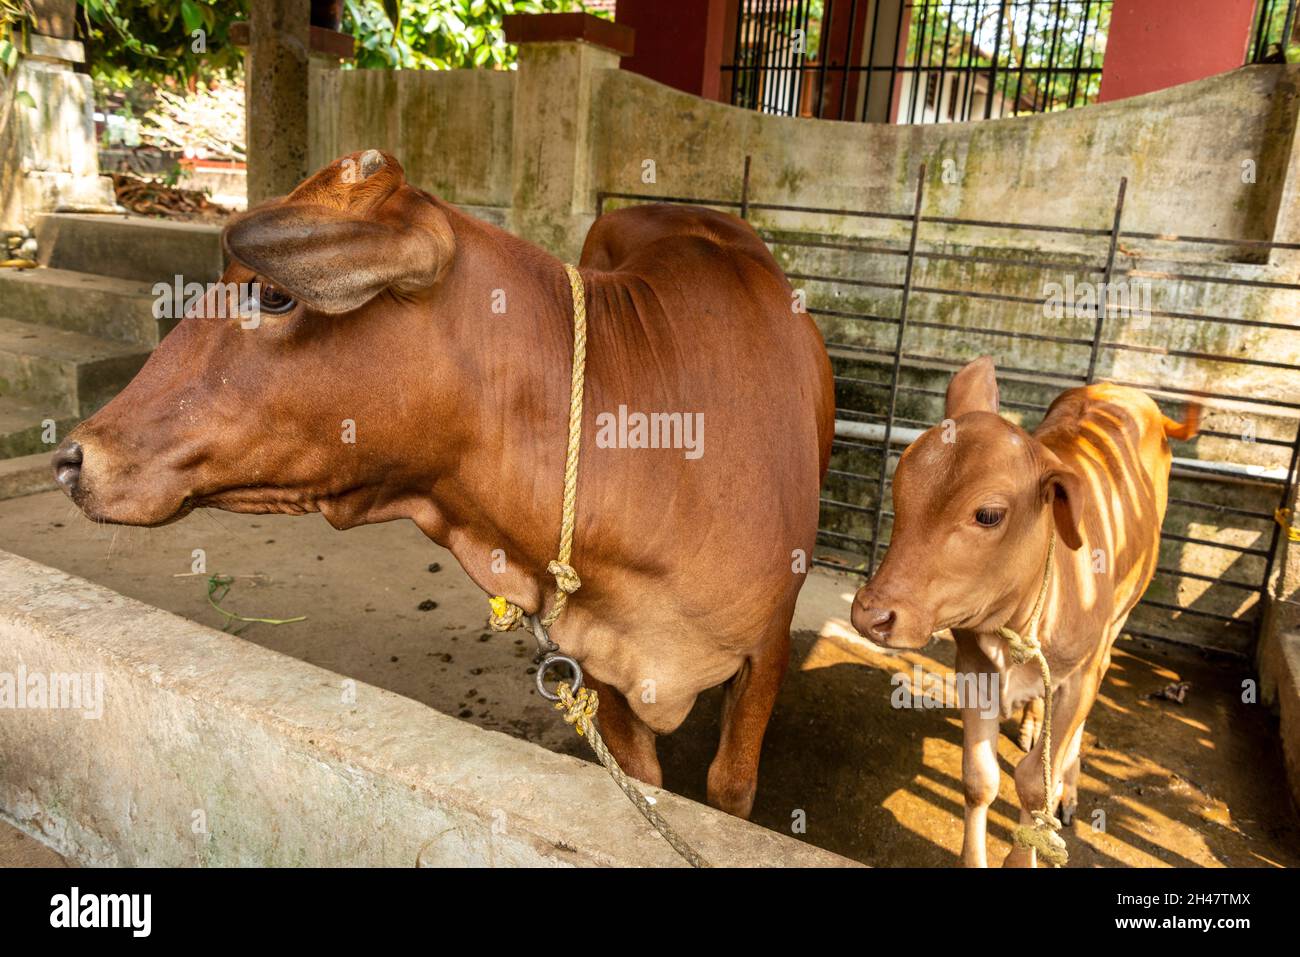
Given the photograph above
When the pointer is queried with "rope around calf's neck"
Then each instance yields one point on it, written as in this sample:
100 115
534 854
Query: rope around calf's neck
1043 836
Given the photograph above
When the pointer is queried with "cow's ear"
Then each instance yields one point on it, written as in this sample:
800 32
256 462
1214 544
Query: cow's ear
1062 489
333 261
973 389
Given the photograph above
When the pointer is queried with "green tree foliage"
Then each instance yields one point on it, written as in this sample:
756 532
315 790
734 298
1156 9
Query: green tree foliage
189 39
438 34
147 39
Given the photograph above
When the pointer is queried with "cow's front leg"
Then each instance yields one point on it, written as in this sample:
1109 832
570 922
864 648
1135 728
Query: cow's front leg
980 776
746 708
629 738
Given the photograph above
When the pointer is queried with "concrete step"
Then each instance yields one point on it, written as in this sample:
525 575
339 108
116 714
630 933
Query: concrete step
103 306
26 424
26 475
130 247
76 373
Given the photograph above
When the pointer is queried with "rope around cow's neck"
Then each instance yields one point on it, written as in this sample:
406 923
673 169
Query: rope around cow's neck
579 704
506 614
1042 836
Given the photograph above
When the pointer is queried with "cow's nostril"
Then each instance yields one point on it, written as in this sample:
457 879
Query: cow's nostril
67 466
880 622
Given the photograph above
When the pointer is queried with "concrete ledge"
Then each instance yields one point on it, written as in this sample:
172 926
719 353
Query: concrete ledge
130 247
214 751
26 475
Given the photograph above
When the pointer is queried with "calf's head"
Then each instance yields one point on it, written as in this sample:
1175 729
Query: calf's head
246 405
975 499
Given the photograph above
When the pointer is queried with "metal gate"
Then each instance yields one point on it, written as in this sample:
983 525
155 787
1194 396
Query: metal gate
893 355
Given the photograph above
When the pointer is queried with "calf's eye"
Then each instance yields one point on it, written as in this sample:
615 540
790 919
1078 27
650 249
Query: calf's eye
988 517
275 301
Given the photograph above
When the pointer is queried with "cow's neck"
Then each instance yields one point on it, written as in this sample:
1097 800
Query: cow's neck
496 503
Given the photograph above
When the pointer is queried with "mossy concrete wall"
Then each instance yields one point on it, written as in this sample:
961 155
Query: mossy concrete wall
451 129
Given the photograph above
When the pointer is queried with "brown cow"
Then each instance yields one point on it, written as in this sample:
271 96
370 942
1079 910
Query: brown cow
976 501
448 343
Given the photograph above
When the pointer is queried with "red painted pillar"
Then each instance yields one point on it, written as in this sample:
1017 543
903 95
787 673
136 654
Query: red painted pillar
682 43
1154 44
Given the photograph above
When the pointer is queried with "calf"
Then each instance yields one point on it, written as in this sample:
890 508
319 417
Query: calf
978 506
444 345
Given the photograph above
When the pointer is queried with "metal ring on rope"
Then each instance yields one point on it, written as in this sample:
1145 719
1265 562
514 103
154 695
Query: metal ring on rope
548 662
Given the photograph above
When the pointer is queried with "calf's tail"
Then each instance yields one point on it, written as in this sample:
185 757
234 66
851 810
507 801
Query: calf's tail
1187 428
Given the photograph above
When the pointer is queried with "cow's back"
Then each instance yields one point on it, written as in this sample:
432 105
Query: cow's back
1114 437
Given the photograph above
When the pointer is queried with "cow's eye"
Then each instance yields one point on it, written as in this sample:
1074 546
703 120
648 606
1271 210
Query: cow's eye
275 301
989 517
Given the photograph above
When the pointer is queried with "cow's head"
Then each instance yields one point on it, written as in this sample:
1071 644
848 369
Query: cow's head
975 499
247 403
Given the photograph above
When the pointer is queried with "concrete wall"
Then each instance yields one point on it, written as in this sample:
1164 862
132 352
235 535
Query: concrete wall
209 750
451 129
1181 149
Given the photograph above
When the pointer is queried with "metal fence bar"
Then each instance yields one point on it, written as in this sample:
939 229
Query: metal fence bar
1102 306
898 361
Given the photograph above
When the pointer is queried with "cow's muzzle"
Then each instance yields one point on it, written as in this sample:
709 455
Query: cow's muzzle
888 623
67 468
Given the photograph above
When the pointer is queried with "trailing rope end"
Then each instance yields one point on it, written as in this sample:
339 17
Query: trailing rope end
1042 837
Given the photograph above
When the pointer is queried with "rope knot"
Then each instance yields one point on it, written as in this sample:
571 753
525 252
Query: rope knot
506 615
578 709
1023 648
566 579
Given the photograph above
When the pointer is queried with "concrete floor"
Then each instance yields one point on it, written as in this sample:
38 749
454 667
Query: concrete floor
1198 784
19 850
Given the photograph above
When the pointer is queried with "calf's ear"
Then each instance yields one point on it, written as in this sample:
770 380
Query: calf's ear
973 389
334 261
1062 489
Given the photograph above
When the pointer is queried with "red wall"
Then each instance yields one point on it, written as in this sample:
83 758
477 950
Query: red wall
680 42
1154 44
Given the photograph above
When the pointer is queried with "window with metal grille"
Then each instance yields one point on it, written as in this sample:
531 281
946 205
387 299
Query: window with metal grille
919 61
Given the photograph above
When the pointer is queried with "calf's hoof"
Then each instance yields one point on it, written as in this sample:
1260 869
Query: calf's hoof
1065 812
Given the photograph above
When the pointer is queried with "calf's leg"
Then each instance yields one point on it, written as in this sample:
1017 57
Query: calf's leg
746 708
629 738
1070 781
980 776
